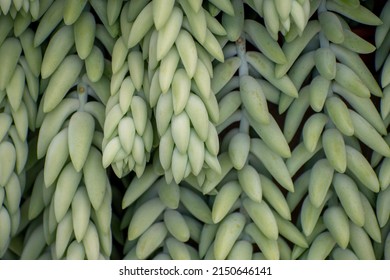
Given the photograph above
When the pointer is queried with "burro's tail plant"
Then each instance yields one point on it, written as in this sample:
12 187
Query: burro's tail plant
191 129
